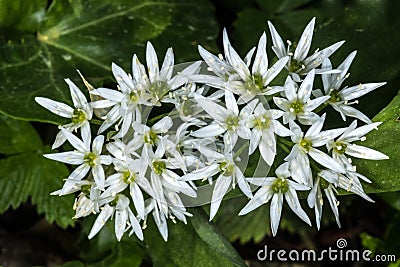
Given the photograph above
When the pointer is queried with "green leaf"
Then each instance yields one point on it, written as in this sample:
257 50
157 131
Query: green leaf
195 244
30 175
383 173
17 137
370 27
21 16
89 35
253 226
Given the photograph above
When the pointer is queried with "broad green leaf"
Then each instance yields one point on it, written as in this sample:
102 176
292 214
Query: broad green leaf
89 35
30 175
384 174
17 136
21 16
369 27
195 244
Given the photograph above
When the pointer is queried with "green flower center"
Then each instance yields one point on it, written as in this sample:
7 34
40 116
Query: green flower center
226 168
232 122
306 144
150 138
90 158
255 84
158 89
159 167
262 122
335 96
339 147
134 96
128 177
296 65
280 185
296 107
323 183
187 107
85 189
114 202
78 116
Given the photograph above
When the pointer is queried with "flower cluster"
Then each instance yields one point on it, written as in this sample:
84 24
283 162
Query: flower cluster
165 135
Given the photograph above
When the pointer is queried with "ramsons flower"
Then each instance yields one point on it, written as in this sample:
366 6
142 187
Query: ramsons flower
265 124
86 157
80 114
275 189
341 98
300 63
124 218
306 145
298 104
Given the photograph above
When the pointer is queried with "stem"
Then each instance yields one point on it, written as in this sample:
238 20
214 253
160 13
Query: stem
97 122
322 107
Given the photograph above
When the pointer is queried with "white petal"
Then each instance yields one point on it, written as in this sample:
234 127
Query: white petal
238 64
75 142
357 91
101 220
279 47
306 87
305 42
275 212
316 127
231 102
294 204
77 96
325 160
70 157
98 144
364 152
163 125
99 176
121 217
209 131
58 108
260 63
216 111
152 63
108 94
221 187
243 185
138 200
272 72
261 197
167 66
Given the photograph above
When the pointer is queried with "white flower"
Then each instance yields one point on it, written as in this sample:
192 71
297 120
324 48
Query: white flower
343 145
149 136
79 115
126 103
221 67
299 63
340 97
227 121
127 174
87 158
228 175
265 124
159 83
249 83
166 186
315 199
306 145
298 103
276 188
124 218
346 182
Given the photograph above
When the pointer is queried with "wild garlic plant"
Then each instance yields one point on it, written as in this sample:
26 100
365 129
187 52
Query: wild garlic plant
222 109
